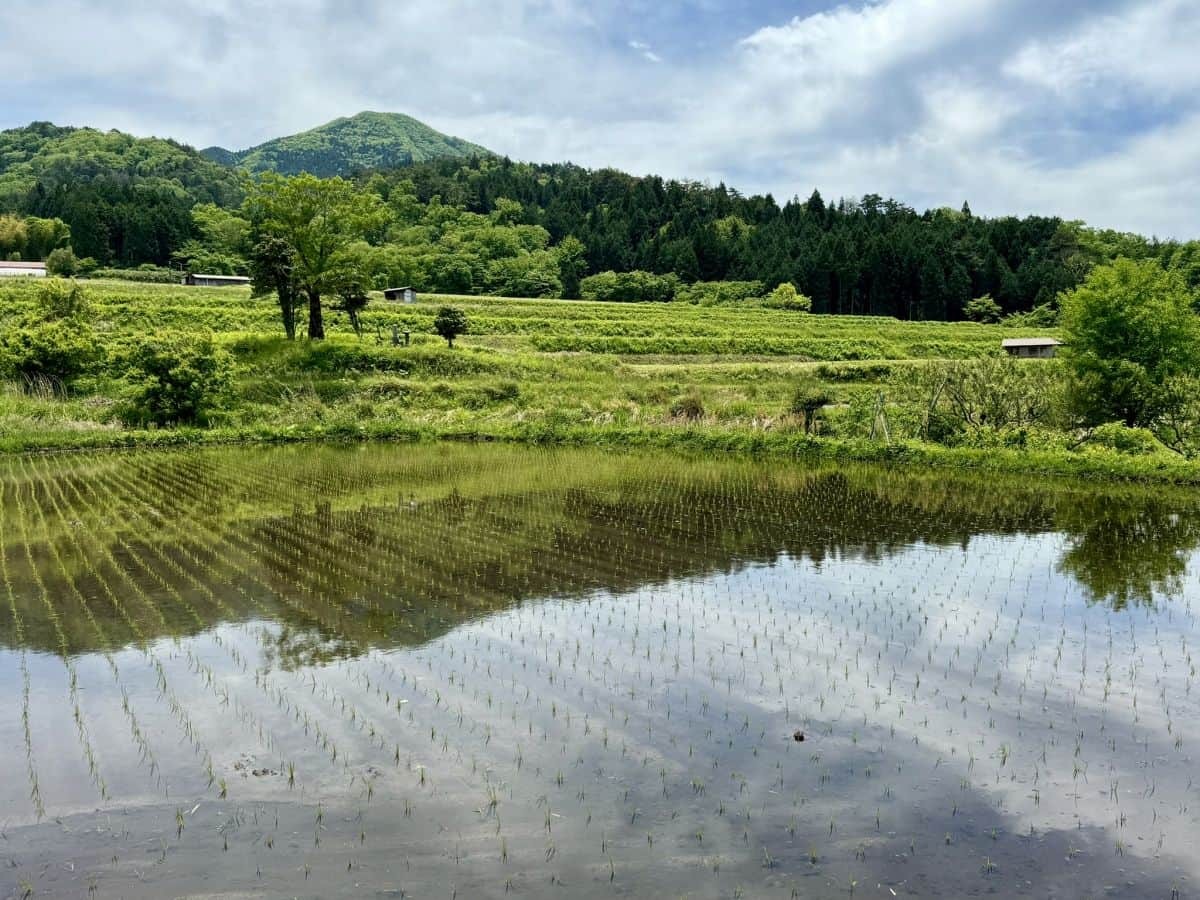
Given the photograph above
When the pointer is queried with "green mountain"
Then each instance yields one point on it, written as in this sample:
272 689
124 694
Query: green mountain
369 140
41 159
126 200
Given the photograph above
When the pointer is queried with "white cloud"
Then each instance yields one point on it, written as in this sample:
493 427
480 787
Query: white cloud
646 51
1084 108
1149 48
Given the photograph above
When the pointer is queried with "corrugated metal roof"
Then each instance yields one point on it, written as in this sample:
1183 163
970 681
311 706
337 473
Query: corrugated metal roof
6 264
1031 342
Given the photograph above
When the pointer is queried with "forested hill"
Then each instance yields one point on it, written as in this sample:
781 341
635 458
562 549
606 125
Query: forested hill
369 140
869 256
483 224
126 199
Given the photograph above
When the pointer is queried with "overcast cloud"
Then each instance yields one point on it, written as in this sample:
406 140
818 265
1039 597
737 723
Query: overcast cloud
1083 108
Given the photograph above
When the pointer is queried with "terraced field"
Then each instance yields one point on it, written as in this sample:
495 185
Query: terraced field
527 368
565 325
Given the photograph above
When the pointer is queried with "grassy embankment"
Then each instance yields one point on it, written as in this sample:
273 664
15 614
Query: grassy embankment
705 378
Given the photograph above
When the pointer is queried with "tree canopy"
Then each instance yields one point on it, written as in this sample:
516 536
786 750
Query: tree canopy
1131 334
318 218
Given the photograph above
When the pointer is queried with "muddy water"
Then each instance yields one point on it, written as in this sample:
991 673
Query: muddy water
446 671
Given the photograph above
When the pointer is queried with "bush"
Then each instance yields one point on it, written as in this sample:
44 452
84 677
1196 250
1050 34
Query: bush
787 297
1130 441
176 380
61 299
146 275
808 399
62 263
59 351
629 287
995 394
689 407
55 344
715 293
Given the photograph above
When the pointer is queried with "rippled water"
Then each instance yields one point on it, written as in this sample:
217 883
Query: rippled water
442 671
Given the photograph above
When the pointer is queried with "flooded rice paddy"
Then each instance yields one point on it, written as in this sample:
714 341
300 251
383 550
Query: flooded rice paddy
458 672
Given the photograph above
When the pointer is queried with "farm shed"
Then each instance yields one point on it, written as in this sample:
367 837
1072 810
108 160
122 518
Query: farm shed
406 293
1032 348
216 280
22 269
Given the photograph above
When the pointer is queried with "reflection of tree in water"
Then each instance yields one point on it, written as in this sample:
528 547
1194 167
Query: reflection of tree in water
388 551
1125 553
448 560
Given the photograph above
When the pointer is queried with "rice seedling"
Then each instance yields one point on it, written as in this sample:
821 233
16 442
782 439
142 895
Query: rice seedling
381 646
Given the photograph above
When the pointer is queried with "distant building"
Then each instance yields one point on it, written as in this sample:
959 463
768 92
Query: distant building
22 269
407 294
216 280
1032 348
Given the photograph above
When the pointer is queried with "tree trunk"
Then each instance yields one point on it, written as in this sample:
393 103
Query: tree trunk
287 308
316 321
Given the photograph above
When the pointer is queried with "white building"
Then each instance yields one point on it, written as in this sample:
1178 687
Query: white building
22 269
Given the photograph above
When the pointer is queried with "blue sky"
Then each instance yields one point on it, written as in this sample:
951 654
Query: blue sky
1087 109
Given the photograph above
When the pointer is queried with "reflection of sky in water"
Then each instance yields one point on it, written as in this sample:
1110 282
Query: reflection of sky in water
974 721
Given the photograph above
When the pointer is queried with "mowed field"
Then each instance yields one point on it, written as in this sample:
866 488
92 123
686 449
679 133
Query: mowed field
524 362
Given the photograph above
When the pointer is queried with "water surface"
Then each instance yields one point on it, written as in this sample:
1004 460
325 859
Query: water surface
442 671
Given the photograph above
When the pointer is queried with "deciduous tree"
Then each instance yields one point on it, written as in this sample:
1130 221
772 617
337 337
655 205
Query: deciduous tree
1130 334
318 218
450 323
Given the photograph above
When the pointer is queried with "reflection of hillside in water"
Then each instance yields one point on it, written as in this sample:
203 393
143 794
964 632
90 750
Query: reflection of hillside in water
349 549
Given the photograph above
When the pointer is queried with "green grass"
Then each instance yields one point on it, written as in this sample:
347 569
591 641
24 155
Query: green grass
543 370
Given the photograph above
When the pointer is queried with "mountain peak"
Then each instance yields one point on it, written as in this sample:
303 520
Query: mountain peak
367 140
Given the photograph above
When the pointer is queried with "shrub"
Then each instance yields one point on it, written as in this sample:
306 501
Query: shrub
992 394
689 407
787 297
1119 437
808 399
59 351
176 379
147 275
55 344
629 287
62 299
62 263
714 293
